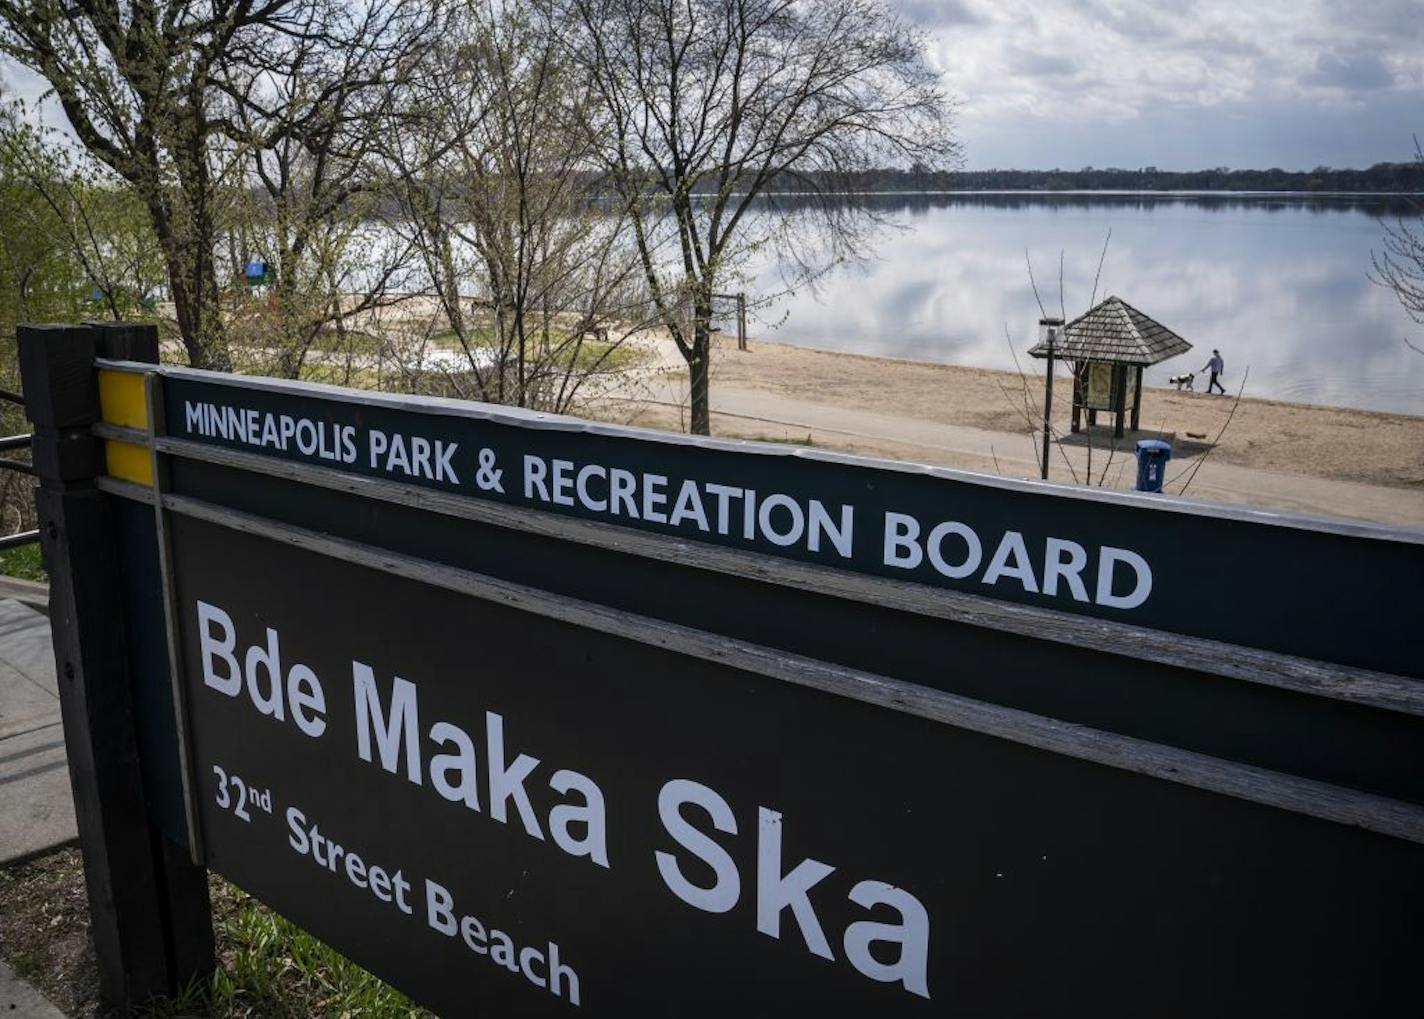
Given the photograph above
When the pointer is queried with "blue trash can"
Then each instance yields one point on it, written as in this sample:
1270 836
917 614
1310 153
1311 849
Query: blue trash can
1152 457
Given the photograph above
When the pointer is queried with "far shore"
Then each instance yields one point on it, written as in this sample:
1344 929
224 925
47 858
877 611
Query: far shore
1324 461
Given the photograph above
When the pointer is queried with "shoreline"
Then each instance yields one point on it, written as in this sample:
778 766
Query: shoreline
1326 461
1123 192
1030 363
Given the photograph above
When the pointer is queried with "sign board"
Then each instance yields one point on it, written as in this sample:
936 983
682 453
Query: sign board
497 809
1134 559
536 715
1099 392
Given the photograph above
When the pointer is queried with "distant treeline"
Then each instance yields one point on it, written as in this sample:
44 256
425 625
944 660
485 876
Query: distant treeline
1380 177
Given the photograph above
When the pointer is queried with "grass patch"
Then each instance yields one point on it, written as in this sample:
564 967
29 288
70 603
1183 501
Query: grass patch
356 341
784 440
23 562
591 355
359 377
267 966
446 339
44 930
608 356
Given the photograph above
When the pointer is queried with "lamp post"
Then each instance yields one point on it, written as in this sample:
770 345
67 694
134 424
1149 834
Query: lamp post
1049 331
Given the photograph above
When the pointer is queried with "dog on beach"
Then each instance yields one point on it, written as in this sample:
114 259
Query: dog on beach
1184 381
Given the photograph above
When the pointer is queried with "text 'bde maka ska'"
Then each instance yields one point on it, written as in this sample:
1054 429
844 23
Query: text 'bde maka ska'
495 779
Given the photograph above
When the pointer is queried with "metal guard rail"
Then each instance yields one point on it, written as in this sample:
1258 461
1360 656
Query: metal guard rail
16 442
18 539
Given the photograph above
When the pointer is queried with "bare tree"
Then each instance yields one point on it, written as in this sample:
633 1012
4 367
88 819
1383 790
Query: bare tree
40 278
1400 265
168 94
533 277
308 116
702 107
139 85
82 209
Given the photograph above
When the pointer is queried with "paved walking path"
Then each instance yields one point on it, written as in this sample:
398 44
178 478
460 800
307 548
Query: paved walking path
36 808
748 412
18 998
26 592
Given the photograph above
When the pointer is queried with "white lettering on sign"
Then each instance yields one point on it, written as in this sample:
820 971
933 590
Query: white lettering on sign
727 888
541 966
542 969
776 891
783 520
955 550
265 430
308 840
1000 560
390 732
414 456
779 889
302 690
1107 578
568 810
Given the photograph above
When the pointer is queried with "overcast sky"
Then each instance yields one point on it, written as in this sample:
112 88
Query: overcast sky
1180 84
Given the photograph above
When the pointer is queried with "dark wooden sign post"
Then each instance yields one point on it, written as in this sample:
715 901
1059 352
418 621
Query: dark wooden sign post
537 716
149 913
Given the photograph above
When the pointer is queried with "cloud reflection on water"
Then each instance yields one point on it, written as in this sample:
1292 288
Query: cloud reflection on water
1278 284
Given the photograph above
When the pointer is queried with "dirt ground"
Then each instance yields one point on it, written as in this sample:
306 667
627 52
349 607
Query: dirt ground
44 930
1317 460
1325 442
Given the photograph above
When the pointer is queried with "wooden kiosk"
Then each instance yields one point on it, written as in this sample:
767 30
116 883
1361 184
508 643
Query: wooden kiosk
1106 349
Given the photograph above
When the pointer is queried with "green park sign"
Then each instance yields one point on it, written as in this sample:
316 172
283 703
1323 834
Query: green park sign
534 715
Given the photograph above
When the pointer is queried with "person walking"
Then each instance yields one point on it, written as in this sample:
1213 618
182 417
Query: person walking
1217 367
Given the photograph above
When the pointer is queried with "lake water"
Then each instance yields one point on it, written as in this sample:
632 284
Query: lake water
1279 284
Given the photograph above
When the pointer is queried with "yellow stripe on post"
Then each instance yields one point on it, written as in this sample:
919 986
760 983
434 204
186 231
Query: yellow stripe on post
122 402
129 461
121 399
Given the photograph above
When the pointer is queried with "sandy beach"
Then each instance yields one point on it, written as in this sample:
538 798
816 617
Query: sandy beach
1323 461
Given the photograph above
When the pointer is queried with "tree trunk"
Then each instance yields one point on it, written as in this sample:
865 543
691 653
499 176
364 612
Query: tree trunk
699 368
522 390
450 285
501 329
195 237
199 323
194 287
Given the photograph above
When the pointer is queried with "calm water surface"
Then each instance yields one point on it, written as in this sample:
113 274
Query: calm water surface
1278 284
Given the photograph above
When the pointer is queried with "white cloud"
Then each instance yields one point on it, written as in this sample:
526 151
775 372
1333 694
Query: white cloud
1102 82
1179 84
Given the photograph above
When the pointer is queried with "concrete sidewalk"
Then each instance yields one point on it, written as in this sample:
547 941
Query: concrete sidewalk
36 807
26 592
18 998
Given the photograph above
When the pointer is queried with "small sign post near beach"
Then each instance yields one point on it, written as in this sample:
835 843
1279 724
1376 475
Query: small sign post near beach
1108 347
543 716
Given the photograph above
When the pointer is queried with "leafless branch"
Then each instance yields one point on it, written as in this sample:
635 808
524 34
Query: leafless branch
1222 431
701 109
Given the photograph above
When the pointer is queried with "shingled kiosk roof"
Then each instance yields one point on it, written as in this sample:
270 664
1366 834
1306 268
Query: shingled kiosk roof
1116 332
